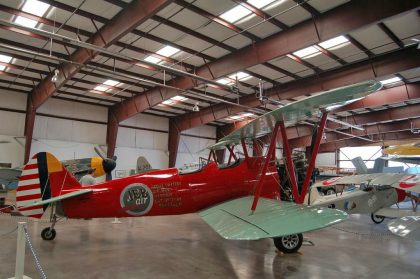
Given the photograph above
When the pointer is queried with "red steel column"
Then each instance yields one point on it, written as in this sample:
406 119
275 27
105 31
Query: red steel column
111 134
29 128
313 158
173 142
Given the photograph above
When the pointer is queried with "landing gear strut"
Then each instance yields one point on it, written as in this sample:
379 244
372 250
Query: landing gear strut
49 233
289 243
377 219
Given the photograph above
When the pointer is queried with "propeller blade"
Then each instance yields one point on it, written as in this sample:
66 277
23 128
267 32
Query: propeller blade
99 152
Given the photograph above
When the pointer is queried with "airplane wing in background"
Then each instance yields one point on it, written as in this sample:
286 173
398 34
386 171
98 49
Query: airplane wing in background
298 111
272 218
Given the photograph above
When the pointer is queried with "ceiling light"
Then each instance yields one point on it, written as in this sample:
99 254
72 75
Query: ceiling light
54 78
152 59
179 98
111 82
26 21
167 102
390 80
307 52
248 114
336 42
167 51
101 88
35 7
235 14
196 107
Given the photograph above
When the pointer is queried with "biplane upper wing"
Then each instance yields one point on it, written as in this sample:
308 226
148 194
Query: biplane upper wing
272 218
298 111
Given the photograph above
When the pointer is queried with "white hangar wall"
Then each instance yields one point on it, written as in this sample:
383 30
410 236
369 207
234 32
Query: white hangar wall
57 130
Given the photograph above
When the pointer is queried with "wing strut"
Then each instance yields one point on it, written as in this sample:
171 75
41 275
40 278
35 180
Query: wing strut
270 151
315 150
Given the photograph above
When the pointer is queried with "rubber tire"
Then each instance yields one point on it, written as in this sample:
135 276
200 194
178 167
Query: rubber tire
377 219
280 245
48 234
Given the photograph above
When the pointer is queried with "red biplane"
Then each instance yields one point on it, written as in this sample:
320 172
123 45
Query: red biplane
240 200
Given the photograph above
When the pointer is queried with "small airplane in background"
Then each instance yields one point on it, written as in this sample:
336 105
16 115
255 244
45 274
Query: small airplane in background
374 194
239 199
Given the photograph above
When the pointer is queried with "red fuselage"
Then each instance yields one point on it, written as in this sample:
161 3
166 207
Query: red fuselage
166 192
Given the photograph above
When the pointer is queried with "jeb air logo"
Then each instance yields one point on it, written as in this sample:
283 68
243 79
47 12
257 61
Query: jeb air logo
136 199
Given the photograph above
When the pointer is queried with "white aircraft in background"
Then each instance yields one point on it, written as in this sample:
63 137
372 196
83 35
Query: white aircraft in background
374 194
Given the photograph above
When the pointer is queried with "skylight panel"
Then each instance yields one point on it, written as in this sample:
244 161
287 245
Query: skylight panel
390 80
224 81
26 21
168 51
260 3
111 82
5 58
35 7
167 102
101 88
179 98
235 14
152 59
336 42
307 52
240 76
248 114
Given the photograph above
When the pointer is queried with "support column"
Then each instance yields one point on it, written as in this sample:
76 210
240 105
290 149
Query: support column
29 128
173 142
111 134
220 153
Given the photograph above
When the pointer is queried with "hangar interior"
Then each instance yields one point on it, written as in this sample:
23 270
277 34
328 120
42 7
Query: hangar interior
164 79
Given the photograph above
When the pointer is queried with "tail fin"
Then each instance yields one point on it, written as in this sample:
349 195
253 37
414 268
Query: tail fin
43 177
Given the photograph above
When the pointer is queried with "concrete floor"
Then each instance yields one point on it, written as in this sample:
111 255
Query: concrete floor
185 247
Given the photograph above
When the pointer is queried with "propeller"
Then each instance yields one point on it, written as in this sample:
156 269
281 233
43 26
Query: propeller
108 164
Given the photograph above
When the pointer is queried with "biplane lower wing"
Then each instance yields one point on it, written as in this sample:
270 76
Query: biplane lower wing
272 218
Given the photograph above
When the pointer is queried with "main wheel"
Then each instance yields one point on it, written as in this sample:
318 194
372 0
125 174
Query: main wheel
330 191
48 234
377 219
289 243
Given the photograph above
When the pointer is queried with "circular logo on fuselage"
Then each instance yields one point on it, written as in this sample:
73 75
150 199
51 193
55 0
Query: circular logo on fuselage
136 199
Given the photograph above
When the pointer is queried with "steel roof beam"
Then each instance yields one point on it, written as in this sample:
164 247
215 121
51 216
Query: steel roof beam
357 72
333 23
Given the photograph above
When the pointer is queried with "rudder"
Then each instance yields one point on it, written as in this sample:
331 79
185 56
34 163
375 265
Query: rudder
43 177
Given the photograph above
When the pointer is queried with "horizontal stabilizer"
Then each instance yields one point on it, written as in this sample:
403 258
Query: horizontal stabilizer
59 198
272 218
408 227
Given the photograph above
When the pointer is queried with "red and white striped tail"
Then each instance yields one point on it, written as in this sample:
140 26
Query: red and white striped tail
29 190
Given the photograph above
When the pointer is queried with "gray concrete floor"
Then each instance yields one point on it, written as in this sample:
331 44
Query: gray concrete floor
185 247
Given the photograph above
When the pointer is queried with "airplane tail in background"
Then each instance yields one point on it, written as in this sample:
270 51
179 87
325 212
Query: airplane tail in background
43 178
360 165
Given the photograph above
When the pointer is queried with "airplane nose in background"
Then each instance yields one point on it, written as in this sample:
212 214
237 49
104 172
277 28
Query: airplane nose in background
108 165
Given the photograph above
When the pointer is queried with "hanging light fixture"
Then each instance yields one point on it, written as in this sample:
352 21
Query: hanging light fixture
196 107
55 76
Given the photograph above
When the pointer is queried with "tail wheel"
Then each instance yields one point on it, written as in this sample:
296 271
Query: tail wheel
377 219
289 243
48 234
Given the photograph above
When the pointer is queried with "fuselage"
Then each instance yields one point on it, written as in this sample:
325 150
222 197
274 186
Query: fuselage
168 192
